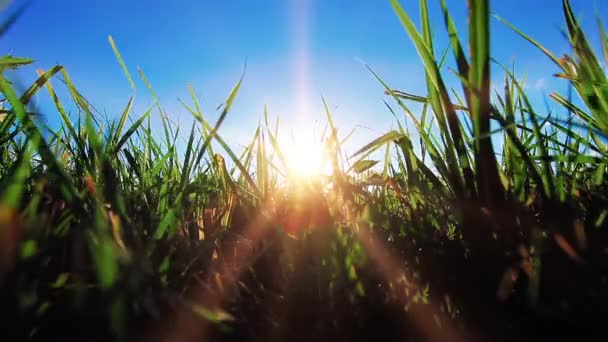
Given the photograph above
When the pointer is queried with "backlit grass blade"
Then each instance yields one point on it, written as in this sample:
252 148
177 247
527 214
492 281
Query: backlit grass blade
121 62
10 62
531 40
488 183
421 47
458 51
363 165
582 47
238 164
212 132
434 98
185 171
385 138
65 119
276 148
421 99
214 135
161 163
545 174
461 175
131 130
121 124
593 83
261 163
199 112
586 74
418 165
163 116
428 143
247 155
334 141
78 99
603 39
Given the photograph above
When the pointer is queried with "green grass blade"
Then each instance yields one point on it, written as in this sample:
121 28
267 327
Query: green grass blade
123 120
10 62
121 62
131 130
376 143
534 42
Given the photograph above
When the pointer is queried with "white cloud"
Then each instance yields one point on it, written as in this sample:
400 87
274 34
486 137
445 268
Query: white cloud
540 83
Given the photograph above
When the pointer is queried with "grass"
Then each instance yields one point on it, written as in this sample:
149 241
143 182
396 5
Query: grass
108 232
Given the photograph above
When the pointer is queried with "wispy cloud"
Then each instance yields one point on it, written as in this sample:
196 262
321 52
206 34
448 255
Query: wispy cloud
540 83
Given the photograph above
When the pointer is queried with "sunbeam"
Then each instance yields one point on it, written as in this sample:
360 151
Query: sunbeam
187 325
429 320
300 19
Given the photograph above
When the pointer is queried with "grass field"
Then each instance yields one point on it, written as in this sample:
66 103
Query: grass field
495 229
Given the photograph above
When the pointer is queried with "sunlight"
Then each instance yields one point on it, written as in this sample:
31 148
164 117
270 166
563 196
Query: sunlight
303 153
305 156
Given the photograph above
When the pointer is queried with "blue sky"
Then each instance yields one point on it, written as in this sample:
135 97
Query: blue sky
296 51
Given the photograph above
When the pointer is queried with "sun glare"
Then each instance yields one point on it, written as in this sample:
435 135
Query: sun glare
305 157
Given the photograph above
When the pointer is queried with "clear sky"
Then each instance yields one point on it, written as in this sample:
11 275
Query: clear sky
296 51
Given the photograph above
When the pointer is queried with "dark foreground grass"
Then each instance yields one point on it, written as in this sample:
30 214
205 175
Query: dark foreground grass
108 233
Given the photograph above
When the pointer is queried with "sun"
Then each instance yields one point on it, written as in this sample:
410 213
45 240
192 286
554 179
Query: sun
305 156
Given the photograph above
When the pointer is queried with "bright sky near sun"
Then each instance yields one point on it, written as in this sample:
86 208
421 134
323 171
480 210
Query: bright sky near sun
296 51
